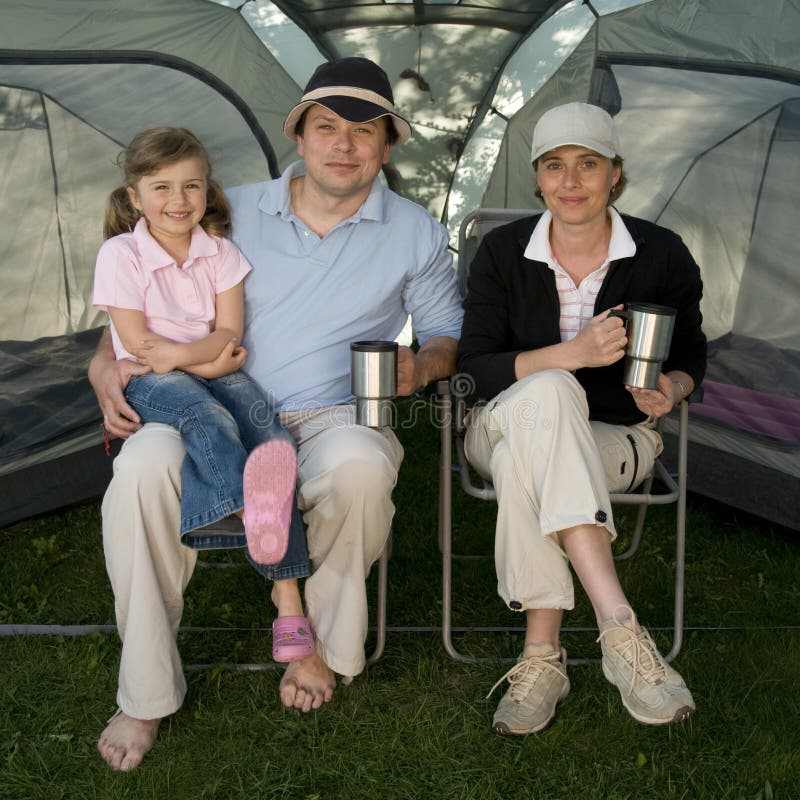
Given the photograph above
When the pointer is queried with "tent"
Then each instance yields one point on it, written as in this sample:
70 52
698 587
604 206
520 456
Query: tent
78 77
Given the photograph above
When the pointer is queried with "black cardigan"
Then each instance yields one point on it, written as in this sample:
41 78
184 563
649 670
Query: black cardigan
512 306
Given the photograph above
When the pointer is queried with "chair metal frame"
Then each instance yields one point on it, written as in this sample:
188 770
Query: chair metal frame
380 619
86 630
451 410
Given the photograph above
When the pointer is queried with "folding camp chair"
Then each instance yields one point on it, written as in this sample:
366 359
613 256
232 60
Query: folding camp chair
451 412
85 630
380 614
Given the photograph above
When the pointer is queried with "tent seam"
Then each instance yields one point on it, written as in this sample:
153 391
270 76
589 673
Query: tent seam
54 173
77 57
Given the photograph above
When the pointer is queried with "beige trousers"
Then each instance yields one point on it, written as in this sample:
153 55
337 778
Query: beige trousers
346 474
552 469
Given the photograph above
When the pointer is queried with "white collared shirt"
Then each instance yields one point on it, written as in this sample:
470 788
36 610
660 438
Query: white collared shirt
577 302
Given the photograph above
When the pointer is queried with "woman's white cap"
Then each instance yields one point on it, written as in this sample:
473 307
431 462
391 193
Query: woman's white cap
575 123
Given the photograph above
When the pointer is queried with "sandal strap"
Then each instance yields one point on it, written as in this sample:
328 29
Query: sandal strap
292 628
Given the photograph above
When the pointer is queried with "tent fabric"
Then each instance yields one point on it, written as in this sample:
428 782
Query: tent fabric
450 53
77 79
752 411
43 395
52 451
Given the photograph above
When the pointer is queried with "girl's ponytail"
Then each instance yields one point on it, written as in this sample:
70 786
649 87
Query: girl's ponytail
121 216
217 219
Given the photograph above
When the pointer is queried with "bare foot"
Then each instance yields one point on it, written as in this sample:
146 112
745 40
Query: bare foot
285 597
126 741
307 684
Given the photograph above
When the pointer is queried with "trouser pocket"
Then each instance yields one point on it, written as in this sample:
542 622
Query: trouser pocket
627 453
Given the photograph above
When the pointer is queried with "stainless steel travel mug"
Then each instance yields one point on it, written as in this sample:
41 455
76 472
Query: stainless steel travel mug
373 381
649 331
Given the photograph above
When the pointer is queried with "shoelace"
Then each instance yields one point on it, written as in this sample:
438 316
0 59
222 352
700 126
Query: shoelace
524 674
640 653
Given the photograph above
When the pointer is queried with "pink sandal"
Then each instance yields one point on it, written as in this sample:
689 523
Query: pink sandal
270 475
292 639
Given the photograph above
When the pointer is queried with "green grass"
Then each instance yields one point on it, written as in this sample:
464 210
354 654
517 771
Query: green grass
416 725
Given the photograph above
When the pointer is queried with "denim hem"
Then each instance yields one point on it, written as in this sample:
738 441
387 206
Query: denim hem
223 509
219 542
273 573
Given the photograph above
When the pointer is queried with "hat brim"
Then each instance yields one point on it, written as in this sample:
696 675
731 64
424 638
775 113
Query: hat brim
592 144
353 109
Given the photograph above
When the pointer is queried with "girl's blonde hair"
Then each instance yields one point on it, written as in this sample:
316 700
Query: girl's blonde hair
148 152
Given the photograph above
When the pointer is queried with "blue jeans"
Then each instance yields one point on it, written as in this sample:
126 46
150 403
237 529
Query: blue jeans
220 422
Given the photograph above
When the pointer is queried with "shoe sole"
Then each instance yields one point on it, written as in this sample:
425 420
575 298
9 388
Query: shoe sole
504 730
270 476
681 714
684 712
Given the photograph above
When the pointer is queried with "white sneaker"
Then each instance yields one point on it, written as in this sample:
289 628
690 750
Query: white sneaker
651 691
538 681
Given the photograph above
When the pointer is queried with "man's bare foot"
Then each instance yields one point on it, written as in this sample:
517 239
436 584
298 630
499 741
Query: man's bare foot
126 741
307 684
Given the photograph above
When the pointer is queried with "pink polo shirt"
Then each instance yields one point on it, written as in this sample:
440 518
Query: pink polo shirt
133 271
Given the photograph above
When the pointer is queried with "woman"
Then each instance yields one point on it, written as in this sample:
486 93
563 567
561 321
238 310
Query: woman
560 429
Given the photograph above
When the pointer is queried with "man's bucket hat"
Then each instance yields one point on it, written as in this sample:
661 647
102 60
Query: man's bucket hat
356 89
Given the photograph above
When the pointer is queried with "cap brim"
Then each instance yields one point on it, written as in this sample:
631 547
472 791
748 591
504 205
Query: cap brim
352 109
592 144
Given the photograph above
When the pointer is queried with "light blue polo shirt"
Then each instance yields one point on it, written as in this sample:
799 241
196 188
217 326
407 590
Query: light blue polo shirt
309 297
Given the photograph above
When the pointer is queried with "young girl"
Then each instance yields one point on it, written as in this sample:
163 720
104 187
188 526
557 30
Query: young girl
172 285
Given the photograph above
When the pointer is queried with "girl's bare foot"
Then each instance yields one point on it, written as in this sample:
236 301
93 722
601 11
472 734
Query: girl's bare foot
285 597
126 741
307 684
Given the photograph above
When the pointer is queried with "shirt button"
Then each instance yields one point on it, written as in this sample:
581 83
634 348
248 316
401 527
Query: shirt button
307 233
601 516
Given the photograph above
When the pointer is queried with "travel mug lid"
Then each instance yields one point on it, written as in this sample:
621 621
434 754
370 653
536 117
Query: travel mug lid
373 346
652 308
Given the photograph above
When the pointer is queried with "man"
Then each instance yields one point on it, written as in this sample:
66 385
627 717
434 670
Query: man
336 258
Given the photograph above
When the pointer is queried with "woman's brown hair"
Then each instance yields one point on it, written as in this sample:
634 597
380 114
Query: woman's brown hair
148 152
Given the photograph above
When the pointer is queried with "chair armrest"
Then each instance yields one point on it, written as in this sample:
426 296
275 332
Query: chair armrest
696 395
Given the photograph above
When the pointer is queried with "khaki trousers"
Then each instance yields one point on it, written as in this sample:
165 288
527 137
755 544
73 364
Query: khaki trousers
346 474
552 469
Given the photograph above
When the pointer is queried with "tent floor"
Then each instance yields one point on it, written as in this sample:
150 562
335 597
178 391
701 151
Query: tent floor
44 487
771 494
